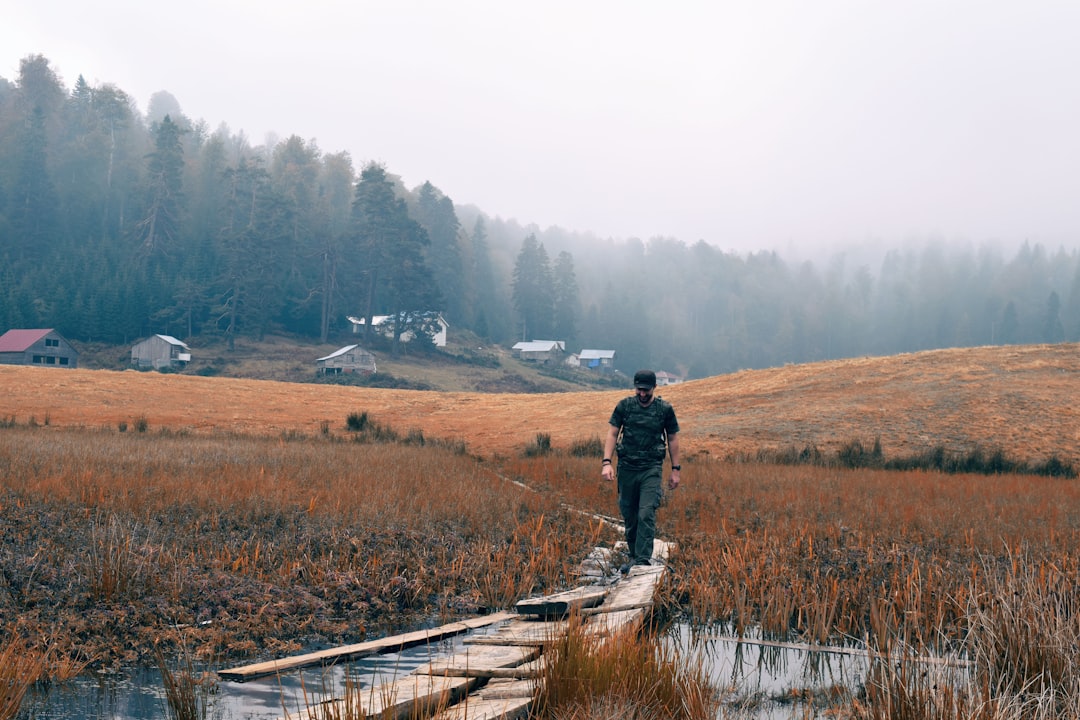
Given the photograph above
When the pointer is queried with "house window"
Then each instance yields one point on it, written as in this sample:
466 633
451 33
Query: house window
52 342
50 359
63 361
38 359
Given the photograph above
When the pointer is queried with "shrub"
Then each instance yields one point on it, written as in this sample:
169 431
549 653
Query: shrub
541 447
591 447
357 422
854 455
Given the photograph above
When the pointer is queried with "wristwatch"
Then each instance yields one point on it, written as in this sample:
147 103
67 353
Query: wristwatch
676 467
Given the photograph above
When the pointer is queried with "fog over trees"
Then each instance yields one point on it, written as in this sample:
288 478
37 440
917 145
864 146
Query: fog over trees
114 226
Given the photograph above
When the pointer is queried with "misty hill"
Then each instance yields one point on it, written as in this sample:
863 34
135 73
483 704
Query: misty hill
1020 400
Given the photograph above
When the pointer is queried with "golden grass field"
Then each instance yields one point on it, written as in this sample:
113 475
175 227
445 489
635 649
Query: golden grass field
1021 399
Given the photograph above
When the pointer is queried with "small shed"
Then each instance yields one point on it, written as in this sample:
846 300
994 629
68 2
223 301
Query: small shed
160 352
349 359
540 351
44 347
601 361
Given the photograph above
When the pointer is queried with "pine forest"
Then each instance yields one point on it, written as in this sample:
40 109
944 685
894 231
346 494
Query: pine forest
116 224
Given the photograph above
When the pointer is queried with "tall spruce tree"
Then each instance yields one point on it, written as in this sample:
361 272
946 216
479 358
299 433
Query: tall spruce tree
489 322
397 280
436 214
373 231
336 179
411 294
567 305
1053 328
34 201
534 291
254 226
159 229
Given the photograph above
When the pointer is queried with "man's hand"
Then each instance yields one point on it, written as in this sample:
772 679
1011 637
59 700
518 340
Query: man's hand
608 472
673 481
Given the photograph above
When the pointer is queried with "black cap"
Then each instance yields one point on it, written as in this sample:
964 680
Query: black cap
645 379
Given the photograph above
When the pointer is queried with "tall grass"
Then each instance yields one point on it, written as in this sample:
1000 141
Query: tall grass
187 691
910 564
20 667
255 545
589 677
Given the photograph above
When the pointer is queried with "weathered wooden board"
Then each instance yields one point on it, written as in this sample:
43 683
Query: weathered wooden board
521 632
407 697
482 661
359 650
503 689
634 592
560 604
473 708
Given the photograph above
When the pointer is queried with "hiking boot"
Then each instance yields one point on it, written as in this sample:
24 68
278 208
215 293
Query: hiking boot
625 568
642 561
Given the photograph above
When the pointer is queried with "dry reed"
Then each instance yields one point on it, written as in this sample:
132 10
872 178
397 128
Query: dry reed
20 667
261 545
258 546
629 675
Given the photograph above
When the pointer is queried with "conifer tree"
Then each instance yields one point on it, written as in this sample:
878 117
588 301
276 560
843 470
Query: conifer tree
159 229
534 291
566 302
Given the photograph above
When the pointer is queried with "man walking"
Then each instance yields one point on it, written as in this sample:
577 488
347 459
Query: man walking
643 430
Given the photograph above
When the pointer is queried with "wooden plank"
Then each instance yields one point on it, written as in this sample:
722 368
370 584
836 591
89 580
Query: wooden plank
407 697
627 601
359 650
473 708
510 673
481 661
519 632
560 604
503 689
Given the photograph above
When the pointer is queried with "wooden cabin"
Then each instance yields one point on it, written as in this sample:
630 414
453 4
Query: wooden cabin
42 347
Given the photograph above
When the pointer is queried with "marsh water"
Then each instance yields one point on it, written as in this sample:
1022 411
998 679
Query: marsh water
141 695
757 681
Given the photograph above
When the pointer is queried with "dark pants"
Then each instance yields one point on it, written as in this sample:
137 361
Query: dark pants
639 496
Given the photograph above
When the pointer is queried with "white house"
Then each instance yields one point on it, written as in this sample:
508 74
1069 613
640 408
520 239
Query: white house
542 351
666 378
599 360
384 325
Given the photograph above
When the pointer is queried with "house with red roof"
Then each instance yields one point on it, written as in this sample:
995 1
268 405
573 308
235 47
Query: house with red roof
46 348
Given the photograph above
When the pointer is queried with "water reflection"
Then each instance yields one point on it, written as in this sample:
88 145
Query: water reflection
756 680
769 681
140 695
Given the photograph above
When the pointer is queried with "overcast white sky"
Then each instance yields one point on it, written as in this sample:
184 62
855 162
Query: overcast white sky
751 125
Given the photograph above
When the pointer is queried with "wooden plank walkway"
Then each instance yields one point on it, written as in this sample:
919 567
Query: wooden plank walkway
493 676
345 653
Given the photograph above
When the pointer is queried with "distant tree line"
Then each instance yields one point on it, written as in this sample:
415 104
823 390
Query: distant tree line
115 225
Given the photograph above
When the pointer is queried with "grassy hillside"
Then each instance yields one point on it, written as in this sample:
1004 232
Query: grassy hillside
1020 399
468 365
